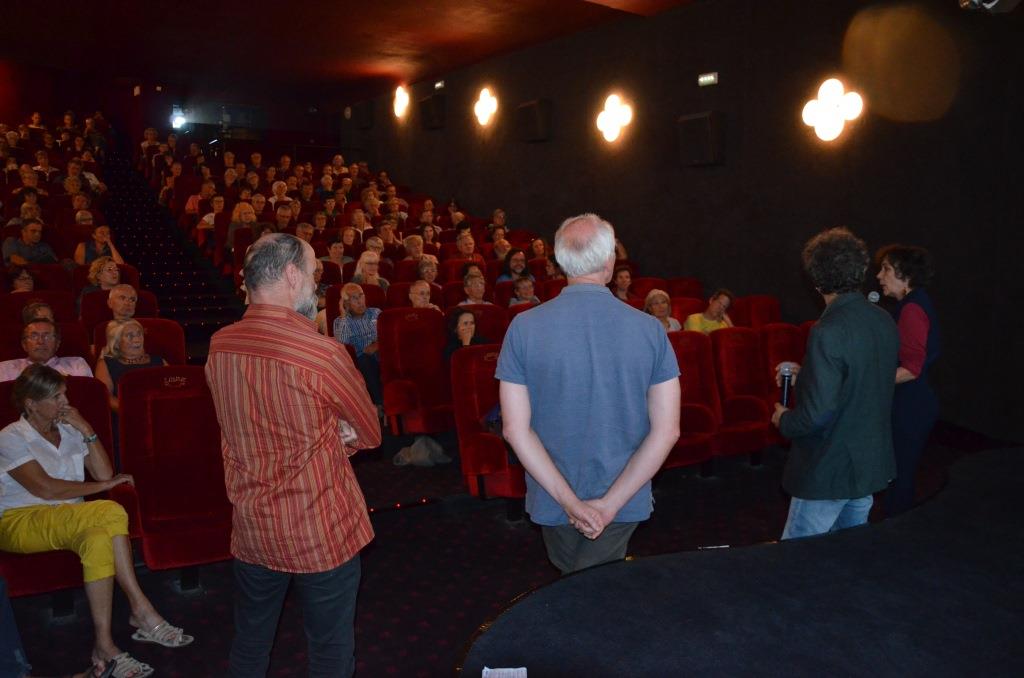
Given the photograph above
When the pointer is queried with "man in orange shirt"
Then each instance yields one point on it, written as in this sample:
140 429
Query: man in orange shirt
292 407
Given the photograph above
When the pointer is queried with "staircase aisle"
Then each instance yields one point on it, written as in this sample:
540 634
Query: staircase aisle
187 286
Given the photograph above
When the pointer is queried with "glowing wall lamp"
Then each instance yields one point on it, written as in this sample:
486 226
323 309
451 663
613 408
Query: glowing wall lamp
615 116
485 108
401 101
833 108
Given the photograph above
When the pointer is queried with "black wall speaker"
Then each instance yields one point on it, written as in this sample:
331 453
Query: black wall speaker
432 111
701 139
363 114
533 120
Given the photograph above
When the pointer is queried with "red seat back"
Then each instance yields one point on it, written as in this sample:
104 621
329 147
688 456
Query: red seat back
739 365
682 307
697 373
87 394
50 277
538 268
406 270
503 292
549 289
62 302
170 443
762 309
513 311
412 344
642 285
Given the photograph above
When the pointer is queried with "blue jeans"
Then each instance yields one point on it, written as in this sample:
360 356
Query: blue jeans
808 517
328 602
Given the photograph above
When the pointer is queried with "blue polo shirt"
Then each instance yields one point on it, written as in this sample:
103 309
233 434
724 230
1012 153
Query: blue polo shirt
587 360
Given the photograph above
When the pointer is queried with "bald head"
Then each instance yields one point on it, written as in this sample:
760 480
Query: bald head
585 246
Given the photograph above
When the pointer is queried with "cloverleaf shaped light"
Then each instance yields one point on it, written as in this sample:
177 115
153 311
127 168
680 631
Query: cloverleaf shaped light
486 106
615 116
833 108
401 101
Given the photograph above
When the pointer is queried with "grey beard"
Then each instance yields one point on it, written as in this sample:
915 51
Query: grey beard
307 307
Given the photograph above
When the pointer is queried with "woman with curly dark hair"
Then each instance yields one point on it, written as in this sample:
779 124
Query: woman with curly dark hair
904 273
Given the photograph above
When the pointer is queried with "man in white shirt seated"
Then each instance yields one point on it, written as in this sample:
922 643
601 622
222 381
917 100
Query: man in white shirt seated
41 339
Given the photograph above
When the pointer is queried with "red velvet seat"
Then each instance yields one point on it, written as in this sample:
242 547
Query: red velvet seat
549 289
80 277
95 310
36 573
642 285
398 295
513 311
503 293
494 268
538 268
755 310
483 455
683 307
743 387
62 302
520 237
332 273
50 277
779 342
406 270
451 270
165 338
170 443
491 320
685 287
699 414
413 371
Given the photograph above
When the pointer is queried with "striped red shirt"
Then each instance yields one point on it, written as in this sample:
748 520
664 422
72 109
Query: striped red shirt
280 390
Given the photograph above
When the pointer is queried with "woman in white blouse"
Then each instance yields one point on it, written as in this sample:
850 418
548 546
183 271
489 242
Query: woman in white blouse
43 459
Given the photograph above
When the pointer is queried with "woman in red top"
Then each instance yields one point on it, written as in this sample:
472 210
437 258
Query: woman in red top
903 274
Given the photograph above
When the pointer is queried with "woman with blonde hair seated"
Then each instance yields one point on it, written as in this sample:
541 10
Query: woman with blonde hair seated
43 459
659 305
367 268
103 275
125 351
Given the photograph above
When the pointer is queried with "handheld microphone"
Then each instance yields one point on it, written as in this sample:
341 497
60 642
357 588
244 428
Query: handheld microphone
786 371
873 297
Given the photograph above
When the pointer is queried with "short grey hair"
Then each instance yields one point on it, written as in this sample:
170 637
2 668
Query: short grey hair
268 257
582 252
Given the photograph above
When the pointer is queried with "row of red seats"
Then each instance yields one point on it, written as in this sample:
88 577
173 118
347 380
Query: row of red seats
95 311
728 395
170 443
164 337
58 278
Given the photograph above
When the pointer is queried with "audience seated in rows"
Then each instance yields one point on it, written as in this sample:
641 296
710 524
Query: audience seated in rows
99 245
523 292
29 247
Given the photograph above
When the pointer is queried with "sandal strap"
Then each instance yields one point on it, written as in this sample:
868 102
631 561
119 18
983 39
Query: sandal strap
128 665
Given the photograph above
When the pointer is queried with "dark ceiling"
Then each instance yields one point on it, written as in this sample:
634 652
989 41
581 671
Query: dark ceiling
355 48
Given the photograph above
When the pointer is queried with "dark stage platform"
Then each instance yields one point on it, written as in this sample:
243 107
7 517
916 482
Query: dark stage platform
936 592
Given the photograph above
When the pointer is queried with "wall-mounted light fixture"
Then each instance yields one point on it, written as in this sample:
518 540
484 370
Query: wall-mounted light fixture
485 108
401 101
616 115
834 107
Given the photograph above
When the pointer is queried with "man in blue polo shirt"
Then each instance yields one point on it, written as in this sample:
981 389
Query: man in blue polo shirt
590 404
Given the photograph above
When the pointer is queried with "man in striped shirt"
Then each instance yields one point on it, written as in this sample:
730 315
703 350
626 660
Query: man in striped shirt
292 408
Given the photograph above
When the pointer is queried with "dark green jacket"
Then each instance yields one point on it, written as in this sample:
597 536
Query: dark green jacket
841 425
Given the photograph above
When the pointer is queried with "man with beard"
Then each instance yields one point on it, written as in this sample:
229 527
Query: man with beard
292 408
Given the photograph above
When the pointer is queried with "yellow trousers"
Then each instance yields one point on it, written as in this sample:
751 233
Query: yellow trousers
87 528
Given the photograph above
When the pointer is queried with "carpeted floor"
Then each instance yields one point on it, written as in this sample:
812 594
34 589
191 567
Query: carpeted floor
439 570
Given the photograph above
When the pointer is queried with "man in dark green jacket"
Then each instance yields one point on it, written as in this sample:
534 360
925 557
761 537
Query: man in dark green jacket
841 424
